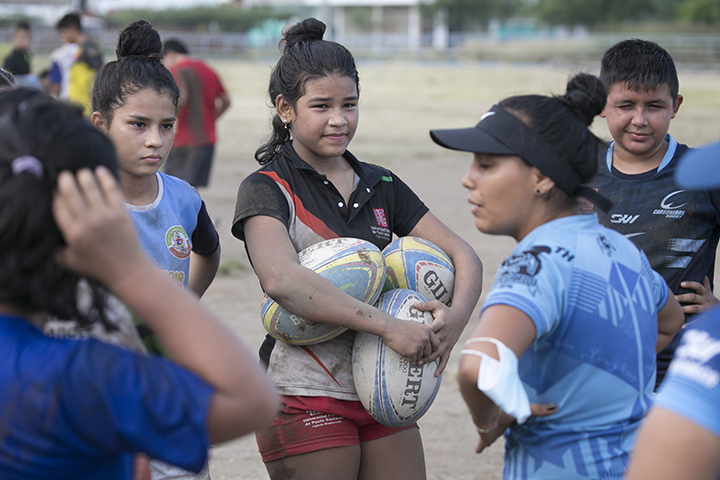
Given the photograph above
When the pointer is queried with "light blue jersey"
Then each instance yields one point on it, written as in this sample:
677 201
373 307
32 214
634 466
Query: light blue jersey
692 386
593 299
165 227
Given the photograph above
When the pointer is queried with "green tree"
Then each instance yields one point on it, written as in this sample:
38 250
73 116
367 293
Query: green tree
700 11
596 12
473 14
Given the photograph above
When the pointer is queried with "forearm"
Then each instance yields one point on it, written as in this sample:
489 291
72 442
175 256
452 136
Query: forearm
482 409
310 296
203 269
194 338
468 282
179 320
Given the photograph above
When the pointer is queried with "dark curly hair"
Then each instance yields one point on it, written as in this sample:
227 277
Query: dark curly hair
34 124
306 56
139 66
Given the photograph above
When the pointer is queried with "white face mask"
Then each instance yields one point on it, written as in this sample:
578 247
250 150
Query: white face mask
500 381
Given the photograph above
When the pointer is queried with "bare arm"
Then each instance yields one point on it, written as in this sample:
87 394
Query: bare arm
670 447
222 103
515 329
102 244
303 292
670 320
449 323
202 271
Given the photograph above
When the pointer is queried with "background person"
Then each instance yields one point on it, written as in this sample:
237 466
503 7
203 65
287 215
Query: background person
202 100
575 315
18 60
677 229
310 188
73 66
81 409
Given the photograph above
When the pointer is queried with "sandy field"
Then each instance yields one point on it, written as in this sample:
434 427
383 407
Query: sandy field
400 102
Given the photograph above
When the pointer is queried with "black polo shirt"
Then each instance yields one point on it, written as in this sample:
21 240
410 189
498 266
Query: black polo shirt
312 209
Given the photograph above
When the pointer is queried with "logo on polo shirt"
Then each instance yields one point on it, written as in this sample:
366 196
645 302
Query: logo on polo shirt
178 242
668 207
380 217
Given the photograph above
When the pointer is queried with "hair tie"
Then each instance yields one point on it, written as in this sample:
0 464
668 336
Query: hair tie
27 163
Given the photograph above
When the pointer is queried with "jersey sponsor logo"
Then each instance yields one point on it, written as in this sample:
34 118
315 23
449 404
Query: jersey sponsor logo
177 276
521 269
668 207
696 349
178 242
380 217
623 218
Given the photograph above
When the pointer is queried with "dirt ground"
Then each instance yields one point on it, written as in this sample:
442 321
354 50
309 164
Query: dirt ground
400 102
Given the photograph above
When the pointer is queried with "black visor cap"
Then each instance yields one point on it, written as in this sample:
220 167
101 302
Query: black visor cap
470 140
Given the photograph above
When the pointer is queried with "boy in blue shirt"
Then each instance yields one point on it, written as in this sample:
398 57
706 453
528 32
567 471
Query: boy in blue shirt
677 229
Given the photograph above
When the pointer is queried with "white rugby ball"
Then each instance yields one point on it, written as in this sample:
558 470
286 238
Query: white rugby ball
353 265
394 391
417 264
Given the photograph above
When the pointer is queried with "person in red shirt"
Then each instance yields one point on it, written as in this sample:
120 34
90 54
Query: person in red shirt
202 100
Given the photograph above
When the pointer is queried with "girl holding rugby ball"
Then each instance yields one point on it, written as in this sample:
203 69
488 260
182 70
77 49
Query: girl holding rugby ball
310 188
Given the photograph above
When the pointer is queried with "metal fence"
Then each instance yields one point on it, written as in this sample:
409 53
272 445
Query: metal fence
695 50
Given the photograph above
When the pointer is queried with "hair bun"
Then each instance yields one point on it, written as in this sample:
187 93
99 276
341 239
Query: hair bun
585 96
310 29
139 38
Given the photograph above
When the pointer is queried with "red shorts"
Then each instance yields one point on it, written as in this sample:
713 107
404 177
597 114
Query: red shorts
308 424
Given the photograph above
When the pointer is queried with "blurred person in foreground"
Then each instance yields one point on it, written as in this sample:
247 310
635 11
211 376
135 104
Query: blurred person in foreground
83 409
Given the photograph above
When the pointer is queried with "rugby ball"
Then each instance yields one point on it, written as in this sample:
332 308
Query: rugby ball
394 391
416 264
354 266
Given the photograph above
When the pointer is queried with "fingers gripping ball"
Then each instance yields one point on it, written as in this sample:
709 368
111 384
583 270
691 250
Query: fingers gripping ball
416 264
354 266
394 391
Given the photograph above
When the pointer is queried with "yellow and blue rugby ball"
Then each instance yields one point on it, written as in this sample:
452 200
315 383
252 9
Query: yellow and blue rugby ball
419 265
355 266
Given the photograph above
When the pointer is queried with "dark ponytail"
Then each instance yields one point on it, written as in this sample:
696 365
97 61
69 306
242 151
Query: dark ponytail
139 66
52 136
563 121
306 56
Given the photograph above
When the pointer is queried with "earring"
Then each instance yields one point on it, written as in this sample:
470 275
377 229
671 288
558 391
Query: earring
537 191
286 125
